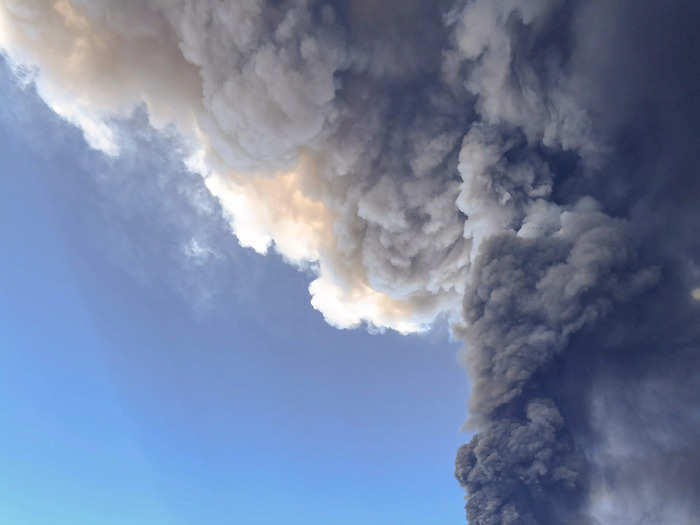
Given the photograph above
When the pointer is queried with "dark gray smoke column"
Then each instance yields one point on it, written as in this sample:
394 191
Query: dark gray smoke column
584 346
526 168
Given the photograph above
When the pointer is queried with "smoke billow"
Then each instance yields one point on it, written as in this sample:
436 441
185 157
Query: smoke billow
526 169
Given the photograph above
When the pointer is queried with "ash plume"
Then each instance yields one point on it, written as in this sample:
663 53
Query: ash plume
526 169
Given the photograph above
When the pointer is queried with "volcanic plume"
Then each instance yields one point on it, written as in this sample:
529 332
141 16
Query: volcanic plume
526 169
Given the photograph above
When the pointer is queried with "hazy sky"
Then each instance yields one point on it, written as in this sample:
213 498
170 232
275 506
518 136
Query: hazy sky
125 401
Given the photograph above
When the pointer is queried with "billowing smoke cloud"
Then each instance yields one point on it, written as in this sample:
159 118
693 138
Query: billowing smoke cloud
526 169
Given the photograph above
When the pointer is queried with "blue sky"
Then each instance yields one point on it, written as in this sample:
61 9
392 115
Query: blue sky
142 386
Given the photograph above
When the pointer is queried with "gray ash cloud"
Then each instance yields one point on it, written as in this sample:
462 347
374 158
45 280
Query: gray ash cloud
527 169
602 329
